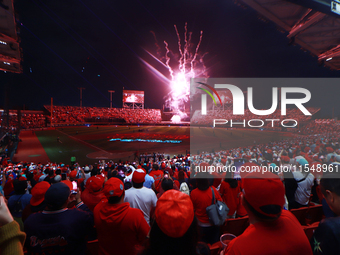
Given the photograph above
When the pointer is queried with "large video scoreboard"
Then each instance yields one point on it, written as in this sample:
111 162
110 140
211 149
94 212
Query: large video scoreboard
133 99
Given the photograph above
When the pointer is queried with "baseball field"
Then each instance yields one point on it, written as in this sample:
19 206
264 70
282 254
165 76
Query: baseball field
90 144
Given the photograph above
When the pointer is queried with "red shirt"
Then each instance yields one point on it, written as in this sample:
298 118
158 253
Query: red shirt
230 196
176 174
218 177
201 199
283 236
120 228
157 175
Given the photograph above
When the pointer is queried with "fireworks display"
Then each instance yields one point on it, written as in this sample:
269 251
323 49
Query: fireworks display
182 66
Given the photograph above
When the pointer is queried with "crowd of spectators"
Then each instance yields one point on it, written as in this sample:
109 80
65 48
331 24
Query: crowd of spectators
77 115
28 120
12 122
321 126
72 115
153 207
227 114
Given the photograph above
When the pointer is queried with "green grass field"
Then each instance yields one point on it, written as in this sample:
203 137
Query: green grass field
90 144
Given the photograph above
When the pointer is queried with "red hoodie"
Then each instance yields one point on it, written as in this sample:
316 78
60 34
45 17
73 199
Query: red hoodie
120 228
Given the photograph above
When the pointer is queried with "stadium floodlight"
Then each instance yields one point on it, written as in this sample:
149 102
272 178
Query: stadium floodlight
81 96
111 91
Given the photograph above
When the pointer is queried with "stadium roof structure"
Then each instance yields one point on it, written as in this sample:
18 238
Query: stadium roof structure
312 24
10 52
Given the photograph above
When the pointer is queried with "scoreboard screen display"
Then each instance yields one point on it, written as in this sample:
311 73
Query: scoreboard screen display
133 96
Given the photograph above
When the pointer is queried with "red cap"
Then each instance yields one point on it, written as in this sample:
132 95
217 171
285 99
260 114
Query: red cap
261 189
94 183
249 167
285 158
38 193
114 187
68 183
22 178
73 174
174 213
138 176
329 149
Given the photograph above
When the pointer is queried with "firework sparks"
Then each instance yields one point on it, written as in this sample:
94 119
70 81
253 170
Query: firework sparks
188 64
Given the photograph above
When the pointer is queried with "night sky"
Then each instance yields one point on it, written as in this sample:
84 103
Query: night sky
98 45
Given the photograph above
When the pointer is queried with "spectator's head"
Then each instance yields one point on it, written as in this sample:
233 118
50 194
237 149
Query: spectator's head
155 167
38 193
46 171
114 191
57 196
303 163
202 181
58 171
285 159
94 171
57 178
115 173
29 176
173 167
87 169
229 179
175 228
73 174
330 187
263 195
138 178
167 184
94 184
181 175
20 186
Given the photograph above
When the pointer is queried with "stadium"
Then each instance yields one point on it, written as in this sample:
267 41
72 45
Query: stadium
89 133
180 162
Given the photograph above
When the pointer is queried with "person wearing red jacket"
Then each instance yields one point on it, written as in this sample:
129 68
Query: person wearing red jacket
230 191
272 230
120 228
201 198
157 174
